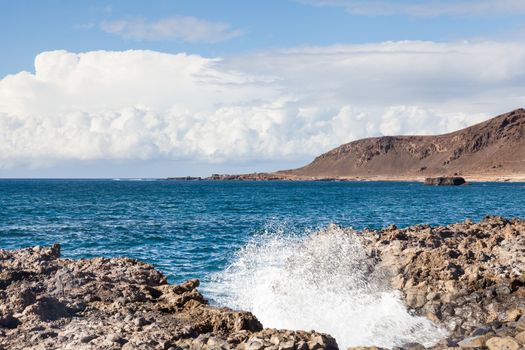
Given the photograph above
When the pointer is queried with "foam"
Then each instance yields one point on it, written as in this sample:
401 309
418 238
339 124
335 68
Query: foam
323 281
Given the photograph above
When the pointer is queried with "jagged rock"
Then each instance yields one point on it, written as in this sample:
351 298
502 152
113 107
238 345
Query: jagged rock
51 303
467 277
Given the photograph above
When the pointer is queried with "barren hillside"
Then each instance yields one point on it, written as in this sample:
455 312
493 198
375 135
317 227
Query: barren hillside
491 150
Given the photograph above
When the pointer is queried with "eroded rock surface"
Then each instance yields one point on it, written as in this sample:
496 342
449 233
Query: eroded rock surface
51 303
468 277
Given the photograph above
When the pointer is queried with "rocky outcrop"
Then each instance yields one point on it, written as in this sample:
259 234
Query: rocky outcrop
51 303
445 181
468 277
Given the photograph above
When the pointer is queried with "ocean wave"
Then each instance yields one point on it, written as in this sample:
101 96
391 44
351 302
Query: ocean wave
323 281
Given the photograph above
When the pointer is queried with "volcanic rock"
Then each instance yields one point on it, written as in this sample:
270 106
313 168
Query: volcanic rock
468 278
47 302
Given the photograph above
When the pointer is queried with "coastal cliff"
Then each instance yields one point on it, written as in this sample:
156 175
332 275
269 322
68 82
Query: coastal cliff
468 278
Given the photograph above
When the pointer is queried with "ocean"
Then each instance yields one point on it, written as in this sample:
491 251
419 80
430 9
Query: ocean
238 238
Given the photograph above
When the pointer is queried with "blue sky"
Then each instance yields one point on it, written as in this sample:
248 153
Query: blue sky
242 85
30 27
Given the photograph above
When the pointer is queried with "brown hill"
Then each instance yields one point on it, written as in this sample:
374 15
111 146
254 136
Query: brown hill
492 150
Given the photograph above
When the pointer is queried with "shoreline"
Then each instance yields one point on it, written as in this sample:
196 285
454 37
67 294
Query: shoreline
466 277
378 178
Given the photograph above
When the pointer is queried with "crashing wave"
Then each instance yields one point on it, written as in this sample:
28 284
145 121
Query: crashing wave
324 281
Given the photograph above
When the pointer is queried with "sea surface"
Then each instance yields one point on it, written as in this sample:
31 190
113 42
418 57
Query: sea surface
239 237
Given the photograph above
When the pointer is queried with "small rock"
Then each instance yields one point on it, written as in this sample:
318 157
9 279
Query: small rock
413 346
474 342
520 337
9 321
255 344
115 338
141 321
301 345
505 343
287 345
87 338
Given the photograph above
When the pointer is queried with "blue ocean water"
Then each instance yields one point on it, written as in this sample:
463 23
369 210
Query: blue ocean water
192 229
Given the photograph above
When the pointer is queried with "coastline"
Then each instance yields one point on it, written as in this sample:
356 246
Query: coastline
371 178
466 277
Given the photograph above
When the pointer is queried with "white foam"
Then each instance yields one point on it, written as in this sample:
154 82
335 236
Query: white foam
324 282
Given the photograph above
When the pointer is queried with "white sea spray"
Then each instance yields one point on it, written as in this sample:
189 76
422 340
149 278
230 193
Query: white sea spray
323 281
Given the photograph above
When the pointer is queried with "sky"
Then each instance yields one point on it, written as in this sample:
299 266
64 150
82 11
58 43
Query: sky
193 87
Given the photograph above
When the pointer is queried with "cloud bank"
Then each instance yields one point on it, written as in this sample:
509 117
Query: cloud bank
272 106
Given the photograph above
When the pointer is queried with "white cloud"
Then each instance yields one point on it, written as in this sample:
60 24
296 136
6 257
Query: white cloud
425 8
180 28
280 105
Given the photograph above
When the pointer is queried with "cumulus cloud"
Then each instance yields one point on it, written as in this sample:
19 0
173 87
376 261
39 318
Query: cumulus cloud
181 28
425 8
275 106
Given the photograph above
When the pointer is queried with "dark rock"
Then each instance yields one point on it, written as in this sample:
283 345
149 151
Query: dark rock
48 309
9 321
445 181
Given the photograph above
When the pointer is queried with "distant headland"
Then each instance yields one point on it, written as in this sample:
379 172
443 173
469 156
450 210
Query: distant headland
493 150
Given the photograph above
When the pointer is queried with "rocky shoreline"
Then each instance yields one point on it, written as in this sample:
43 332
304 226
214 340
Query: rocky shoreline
279 176
51 303
466 277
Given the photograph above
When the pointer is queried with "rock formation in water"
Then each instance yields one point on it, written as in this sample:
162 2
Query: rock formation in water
51 303
445 181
